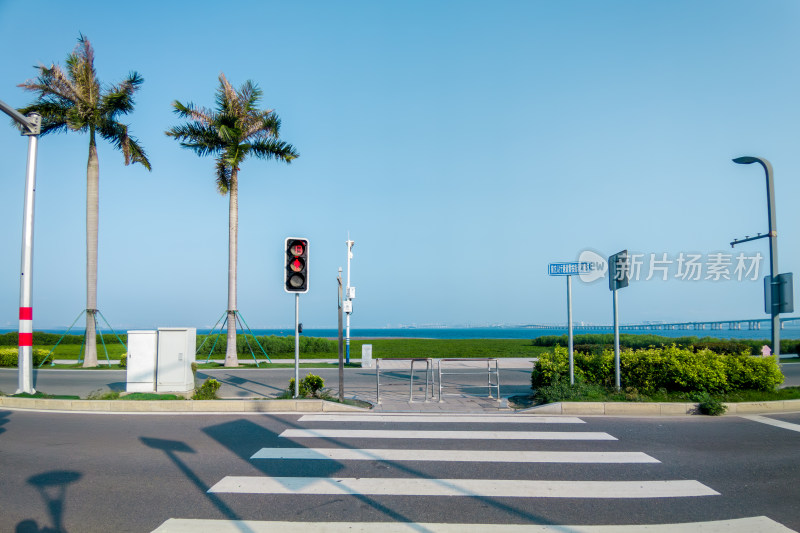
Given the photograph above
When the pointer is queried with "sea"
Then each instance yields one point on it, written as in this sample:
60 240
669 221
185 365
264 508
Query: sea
493 332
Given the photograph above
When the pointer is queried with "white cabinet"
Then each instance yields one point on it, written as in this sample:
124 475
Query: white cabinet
141 365
161 361
176 347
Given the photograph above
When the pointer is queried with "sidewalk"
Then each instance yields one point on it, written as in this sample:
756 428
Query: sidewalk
249 389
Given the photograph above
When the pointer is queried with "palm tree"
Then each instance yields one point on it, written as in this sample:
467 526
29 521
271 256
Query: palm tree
235 129
75 101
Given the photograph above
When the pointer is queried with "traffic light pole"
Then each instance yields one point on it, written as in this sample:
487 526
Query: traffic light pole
296 345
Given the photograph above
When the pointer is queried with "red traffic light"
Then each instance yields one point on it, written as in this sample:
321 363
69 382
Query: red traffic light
296 265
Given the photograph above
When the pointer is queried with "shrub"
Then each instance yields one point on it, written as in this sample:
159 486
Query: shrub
708 405
671 368
123 361
207 391
309 385
9 356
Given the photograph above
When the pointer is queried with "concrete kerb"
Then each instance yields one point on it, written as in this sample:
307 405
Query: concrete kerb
177 406
316 405
659 409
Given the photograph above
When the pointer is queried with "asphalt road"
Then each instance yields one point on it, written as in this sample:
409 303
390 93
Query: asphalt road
263 382
79 472
269 383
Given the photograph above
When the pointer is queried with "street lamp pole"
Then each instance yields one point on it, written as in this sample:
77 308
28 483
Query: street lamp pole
773 250
31 127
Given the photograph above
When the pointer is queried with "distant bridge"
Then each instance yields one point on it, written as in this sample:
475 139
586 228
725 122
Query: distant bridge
754 323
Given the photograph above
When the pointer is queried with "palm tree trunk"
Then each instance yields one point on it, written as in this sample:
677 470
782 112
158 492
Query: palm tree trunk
92 223
231 358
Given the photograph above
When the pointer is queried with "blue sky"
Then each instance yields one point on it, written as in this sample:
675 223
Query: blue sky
464 146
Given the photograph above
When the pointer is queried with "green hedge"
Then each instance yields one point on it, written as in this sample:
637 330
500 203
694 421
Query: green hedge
49 339
671 368
272 344
595 343
9 357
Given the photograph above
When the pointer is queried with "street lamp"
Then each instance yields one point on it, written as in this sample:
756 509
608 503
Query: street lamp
31 127
773 249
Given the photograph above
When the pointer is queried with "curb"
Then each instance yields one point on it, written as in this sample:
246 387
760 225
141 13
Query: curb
178 406
317 406
659 409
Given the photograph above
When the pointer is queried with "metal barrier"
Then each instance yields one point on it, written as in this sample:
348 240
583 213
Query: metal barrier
489 373
428 374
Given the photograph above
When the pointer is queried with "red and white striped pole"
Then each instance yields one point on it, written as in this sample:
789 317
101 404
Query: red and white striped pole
25 360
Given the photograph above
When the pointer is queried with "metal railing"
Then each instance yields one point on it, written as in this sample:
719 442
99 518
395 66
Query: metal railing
428 375
489 373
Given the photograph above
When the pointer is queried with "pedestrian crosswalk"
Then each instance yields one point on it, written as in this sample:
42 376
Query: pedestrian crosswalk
455 451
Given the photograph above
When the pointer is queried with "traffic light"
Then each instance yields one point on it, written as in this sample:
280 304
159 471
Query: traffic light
296 271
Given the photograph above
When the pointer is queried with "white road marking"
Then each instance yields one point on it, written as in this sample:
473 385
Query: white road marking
488 488
478 456
762 524
500 419
772 422
467 435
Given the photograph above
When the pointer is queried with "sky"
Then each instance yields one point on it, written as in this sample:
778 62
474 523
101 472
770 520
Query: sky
463 145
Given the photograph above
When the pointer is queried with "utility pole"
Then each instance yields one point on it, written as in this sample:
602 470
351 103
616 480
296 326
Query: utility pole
31 127
341 352
350 293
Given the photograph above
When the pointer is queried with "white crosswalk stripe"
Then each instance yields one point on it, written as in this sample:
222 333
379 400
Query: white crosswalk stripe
488 488
761 524
418 485
477 456
460 435
439 419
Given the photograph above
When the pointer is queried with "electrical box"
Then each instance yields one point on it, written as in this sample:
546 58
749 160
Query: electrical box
366 356
176 348
141 365
347 306
351 293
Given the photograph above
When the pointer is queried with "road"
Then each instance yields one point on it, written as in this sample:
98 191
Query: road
270 382
262 382
79 472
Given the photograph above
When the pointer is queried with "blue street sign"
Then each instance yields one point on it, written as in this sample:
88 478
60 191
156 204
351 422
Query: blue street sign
569 269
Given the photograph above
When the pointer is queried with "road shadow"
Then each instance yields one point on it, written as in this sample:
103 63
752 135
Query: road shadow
4 417
171 448
52 487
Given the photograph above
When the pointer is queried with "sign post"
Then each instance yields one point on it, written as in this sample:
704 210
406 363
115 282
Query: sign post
568 270
618 276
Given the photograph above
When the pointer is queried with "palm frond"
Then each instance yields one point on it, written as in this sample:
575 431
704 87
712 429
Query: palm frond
223 176
189 110
273 149
119 98
54 117
52 85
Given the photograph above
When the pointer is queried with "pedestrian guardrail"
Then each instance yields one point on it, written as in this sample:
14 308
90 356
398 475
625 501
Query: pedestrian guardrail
428 375
467 370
